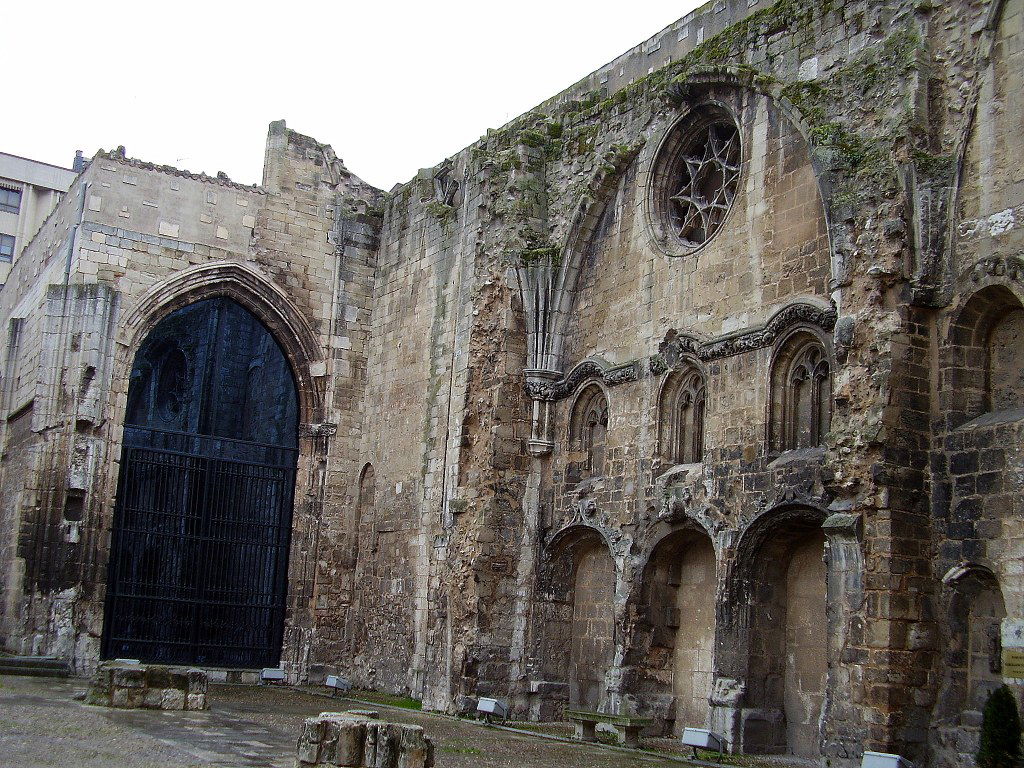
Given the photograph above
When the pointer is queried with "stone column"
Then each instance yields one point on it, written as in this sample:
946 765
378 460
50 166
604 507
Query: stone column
845 596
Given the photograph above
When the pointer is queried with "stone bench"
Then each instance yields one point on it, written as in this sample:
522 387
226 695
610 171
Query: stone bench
124 685
352 739
627 727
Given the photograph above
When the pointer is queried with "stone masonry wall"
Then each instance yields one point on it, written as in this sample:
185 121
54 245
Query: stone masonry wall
442 333
138 241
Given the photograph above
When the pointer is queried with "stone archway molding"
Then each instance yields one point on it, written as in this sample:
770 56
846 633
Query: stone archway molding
257 293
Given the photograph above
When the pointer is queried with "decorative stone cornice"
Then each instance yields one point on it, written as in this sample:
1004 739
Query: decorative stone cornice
620 374
675 345
998 266
544 385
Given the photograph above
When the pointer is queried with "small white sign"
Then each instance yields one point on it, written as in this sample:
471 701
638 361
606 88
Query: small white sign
1013 633
1013 650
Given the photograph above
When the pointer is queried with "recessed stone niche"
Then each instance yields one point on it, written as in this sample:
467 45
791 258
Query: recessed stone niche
148 686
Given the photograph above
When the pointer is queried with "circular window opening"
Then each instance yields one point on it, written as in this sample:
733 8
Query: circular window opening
696 180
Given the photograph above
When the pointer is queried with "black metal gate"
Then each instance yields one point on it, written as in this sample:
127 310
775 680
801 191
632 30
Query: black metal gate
198 565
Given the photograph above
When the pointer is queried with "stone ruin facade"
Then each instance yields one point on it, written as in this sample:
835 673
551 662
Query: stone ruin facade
696 393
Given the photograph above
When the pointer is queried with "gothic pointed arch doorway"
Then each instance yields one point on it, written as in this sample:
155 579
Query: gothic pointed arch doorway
202 521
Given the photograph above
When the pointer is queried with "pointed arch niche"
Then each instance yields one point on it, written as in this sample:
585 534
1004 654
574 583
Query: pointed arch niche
785 576
677 628
588 433
577 620
681 416
973 653
801 393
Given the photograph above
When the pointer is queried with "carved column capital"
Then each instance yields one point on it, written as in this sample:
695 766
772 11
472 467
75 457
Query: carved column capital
540 383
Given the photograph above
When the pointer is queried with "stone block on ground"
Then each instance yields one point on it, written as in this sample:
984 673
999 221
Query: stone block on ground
147 686
354 740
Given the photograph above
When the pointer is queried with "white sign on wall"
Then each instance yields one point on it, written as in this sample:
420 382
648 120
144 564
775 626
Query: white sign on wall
1013 650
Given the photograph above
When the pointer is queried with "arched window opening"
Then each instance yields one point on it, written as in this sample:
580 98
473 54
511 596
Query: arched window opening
983 357
364 505
801 396
588 432
682 417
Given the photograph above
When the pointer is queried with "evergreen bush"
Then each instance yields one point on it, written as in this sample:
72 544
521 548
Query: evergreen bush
1000 731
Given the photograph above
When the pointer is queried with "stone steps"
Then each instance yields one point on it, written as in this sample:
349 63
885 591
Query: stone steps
33 666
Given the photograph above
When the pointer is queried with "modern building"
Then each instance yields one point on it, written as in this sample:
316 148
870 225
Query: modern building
29 191
696 392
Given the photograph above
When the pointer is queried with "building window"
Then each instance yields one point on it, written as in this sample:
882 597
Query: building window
588 431
983 357
7 248
801 398
10 200
682 417
696 179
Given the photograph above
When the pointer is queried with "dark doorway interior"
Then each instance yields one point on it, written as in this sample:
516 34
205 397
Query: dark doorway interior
199 556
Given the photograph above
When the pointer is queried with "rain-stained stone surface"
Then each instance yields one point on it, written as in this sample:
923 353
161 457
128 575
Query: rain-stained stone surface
501 370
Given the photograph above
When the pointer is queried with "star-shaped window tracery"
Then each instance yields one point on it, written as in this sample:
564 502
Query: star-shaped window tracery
708 174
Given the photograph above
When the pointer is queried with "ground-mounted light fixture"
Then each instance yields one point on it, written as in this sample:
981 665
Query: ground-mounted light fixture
884 760
492 708
702 738
271 675
337 684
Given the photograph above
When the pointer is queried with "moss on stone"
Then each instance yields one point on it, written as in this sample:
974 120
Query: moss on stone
439 210
933 166
530 256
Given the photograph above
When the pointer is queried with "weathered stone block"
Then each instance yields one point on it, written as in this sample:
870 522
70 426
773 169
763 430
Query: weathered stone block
197 681
346 739
153 698
172 699
350 739
158 677
126 677
178 678
131 686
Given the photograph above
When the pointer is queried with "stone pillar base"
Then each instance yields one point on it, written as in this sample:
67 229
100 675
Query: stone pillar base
352 739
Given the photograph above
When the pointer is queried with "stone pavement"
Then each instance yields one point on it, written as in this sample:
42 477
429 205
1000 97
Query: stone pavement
43 725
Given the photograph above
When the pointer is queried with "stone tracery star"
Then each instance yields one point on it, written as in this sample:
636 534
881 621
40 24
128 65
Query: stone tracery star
708 183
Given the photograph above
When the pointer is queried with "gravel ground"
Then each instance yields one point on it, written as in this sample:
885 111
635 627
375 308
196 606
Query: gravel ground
42 725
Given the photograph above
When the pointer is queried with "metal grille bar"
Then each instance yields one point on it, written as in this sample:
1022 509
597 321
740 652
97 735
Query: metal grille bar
200 550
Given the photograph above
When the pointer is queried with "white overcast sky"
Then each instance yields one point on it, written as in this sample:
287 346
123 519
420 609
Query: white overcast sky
392 86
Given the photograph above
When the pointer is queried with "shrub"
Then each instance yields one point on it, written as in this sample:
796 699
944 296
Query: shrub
1000 731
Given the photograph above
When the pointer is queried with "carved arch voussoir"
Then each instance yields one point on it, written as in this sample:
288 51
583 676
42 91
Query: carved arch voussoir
683 92
1008 267
257 294
799 514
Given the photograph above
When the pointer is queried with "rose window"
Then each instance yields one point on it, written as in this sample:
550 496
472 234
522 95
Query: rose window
703 187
